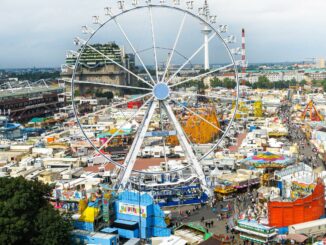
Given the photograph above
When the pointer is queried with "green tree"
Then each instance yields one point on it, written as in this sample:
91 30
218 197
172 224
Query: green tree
293 82
26 217
202 71
107 94
229 83
201 85
193 83
263 82
36 75
248 84
215 82
323 83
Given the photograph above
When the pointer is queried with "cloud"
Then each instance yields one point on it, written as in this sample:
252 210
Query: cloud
38 33
277 30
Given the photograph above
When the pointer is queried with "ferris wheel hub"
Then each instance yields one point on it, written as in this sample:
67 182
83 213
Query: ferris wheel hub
161 91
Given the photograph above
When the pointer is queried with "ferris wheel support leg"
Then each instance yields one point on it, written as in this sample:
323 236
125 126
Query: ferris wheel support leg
188 149
135 148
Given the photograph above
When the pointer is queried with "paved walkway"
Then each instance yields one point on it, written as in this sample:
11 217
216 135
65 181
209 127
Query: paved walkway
296 135
240 138
206 212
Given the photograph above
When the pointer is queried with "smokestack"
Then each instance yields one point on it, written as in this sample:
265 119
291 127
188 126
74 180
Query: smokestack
244 63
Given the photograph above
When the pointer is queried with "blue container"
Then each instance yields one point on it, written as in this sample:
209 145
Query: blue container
128 233
280 186
84 237
86 226
283 230
252 128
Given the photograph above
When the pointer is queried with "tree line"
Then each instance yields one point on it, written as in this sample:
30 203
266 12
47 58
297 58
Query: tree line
320 83
263 82
35 76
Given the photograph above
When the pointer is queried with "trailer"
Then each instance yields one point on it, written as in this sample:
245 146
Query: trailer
311 228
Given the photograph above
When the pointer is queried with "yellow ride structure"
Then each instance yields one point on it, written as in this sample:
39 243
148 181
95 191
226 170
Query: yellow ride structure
258 108
242 111
222 191
198 130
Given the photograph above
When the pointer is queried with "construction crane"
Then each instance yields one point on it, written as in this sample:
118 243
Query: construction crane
314 115
313 60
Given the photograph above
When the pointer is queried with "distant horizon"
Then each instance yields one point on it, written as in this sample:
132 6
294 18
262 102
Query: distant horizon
253 63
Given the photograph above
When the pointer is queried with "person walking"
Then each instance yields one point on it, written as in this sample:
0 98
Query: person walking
219 217
227 228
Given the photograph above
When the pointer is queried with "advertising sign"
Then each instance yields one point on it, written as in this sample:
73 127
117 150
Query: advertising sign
131 209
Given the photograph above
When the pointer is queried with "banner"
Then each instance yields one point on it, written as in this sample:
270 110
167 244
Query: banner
132 209
299 190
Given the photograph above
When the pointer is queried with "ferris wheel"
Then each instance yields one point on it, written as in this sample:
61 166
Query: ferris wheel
177 37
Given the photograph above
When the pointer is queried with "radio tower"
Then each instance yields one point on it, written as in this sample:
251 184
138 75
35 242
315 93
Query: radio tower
244 63
204 11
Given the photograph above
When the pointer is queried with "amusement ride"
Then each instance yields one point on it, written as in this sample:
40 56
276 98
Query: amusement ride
163 89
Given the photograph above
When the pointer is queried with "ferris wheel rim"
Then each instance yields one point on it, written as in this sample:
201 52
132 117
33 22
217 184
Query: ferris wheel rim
185 11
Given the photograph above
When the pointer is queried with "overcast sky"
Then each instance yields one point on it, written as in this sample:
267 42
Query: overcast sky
38 33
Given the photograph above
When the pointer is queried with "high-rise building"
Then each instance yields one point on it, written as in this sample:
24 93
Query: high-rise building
94 66
320 63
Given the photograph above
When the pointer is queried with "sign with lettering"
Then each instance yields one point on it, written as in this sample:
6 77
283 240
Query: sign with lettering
131 209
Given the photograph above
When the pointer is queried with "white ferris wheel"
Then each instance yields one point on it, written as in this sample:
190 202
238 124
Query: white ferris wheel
167 39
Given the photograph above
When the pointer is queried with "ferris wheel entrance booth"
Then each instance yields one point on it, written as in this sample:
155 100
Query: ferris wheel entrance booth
138 216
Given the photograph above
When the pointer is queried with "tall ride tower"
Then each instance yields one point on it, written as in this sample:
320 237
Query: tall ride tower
204 11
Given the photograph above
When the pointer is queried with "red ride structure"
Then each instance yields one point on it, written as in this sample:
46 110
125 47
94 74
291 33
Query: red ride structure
244 65
314 115
243 62
285 213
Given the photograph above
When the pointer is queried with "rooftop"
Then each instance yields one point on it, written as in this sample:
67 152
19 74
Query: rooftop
7 93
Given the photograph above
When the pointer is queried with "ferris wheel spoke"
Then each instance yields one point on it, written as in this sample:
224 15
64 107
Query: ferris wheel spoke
134 50
132 117
135 147
188 150
162 128
199 116
124 103
202 75
128 101
174 46
154 42
112 85
116 105
121 66
191 57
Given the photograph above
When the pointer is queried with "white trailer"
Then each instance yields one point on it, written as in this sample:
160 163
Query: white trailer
311 228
